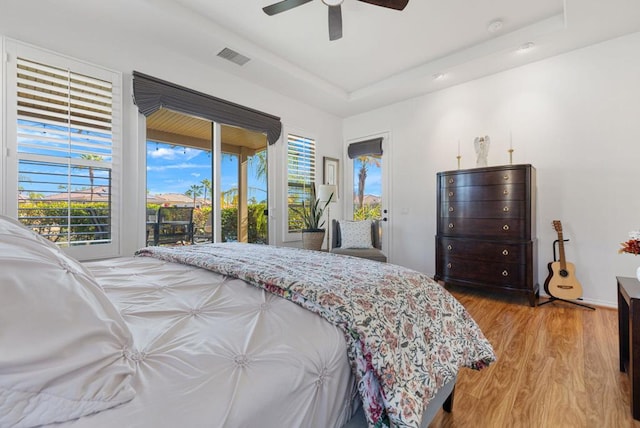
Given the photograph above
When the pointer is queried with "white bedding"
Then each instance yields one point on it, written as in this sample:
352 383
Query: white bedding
142 342
263 366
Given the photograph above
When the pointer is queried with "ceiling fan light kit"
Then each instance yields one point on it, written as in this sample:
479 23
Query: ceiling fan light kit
335 11
495 26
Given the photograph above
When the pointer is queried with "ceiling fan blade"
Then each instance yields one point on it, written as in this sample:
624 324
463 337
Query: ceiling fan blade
391 4
335 22
283 6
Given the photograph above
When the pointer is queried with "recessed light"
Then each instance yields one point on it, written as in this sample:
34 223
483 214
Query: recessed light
526 47
438 76
494 26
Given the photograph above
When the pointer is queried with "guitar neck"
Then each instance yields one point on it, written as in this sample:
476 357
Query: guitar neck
563 262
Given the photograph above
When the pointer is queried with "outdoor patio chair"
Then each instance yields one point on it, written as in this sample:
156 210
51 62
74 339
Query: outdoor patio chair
174 226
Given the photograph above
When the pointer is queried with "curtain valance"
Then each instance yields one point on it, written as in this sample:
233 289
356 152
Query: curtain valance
150 94
364 148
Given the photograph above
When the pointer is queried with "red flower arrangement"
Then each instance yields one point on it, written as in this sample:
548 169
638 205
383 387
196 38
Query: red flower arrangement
632 246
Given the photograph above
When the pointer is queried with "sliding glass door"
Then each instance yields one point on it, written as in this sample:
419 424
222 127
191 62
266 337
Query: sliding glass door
185 157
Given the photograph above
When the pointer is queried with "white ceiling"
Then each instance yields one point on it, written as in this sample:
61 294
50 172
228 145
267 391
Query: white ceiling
383 57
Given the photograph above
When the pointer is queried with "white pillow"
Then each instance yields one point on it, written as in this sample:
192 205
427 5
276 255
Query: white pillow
62 342
355 234
12 226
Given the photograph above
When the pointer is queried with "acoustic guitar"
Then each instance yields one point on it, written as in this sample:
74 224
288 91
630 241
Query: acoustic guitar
561 282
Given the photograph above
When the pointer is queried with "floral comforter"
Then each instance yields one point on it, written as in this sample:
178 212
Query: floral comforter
407 336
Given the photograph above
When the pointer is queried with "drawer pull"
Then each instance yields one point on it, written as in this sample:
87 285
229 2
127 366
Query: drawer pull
451 181
505 273
505 227
505 252
506 177
450 194
449 247
450 209
505 209
448 265
450 225
505 192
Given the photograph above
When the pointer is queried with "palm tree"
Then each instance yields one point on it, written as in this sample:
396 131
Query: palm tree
22 178
91 157
365 161
206 184
229 198
194 191
260 158
35 195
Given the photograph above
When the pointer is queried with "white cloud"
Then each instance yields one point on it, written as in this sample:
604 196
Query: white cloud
177 166
162 153
173 153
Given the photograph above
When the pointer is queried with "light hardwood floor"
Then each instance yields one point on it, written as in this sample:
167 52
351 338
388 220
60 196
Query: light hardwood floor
557 367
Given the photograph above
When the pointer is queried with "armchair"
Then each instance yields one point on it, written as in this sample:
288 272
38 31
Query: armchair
373 253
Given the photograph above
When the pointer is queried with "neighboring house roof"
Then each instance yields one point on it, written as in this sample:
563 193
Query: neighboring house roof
174 199
100 194
368 199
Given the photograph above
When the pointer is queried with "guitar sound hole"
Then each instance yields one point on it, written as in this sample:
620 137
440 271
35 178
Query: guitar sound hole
563 273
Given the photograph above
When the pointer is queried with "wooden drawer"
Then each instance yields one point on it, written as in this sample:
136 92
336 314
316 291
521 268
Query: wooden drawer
502 192
484 228
482 178
512 275
483 209
503 252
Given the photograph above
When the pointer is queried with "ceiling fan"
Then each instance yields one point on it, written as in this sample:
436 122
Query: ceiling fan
335 12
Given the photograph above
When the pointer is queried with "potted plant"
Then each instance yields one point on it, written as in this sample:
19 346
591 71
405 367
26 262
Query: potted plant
311 213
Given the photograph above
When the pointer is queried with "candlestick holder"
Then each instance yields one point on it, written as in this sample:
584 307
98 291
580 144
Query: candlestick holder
510 156
458 157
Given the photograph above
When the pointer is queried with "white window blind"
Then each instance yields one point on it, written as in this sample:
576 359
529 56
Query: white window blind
301 174
65 121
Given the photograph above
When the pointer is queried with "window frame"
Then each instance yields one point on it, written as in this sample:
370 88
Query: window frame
14 49
296 235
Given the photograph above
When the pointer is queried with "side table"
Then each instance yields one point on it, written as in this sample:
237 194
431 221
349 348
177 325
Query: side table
629 336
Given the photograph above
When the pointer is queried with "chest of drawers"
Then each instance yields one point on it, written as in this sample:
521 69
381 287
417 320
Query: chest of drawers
486 229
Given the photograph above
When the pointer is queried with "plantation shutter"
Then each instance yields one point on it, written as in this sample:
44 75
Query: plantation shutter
65 149
301 175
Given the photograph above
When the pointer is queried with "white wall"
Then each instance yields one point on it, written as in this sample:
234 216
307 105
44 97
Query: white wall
575 117
144 55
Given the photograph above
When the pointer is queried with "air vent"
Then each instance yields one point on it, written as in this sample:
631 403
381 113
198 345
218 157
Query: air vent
233 56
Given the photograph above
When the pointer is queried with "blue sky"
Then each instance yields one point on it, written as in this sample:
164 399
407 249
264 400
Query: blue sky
373 185
170 169
174 169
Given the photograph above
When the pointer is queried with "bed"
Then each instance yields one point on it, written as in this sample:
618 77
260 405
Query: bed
221 335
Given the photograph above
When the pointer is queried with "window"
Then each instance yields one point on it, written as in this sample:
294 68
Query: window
184 158
301 175
64 133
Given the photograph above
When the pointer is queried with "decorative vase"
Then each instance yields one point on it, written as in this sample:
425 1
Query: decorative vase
312 239
638 273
